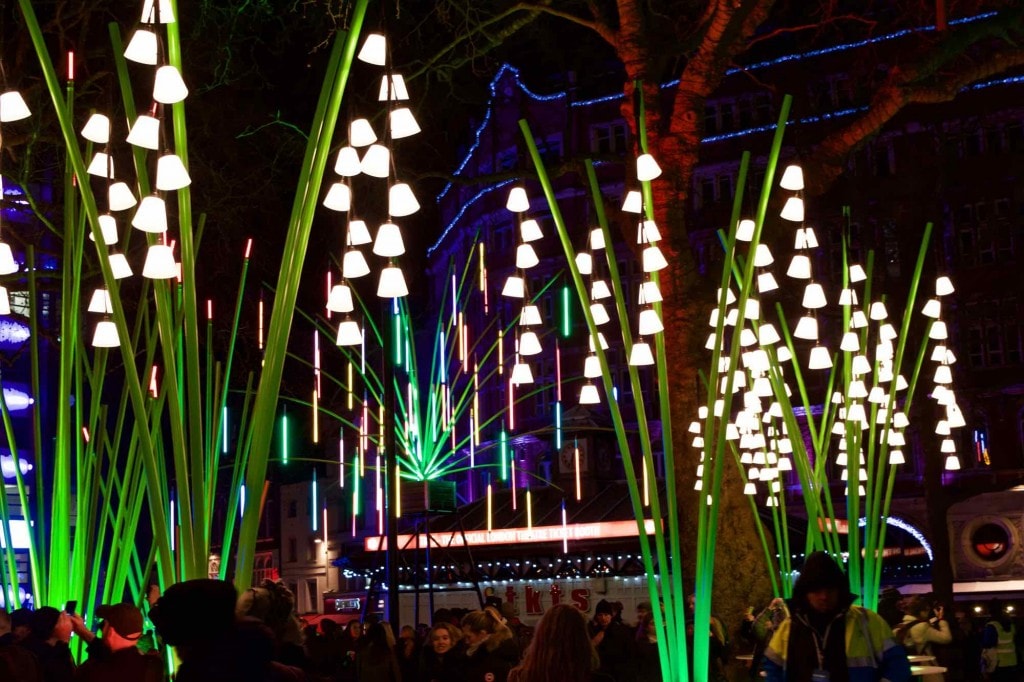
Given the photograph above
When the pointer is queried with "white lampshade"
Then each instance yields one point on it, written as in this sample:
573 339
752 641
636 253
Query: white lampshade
767 336
340 299
169 87
952 462
650 322
5 301
896 457
938 353
349 334
108 230
749 488
878 311
819 358
599 313
763 256
360 133
932 308
955 417
358 233
402 200
649 231
374 50
647 168
860 365
947 445
8 266
783 354
806 239
522 373
799 267
97 129
850 342
105 335
517 200
526 257
938 331
389 242
884 352
857 274
807 328
814 296
943 286
529 316
160 263
856 390
641 355
119 266
145 132
376 161
142 47
599 289
530 230
745 230
392 283
102 165
589 395
347 164
901 383
633 203
766 282
171 173
100 302
942 428
398 90
597 239
793 210
649 292
154 11
354 265
591 367
120 197
858 320
752 309
514 287
584 263
529 343
653 259
151 215
13 107
403 123
339 197
847 297
792 178
887 332
943 375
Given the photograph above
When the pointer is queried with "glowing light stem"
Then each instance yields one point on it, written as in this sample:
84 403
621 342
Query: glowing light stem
566 319
511 405
316 361
529 510
565 530
224 430
512 473
490 509
576 469
314 507
503 454
341 462
350 397
558 426
284 437
316 416
259 324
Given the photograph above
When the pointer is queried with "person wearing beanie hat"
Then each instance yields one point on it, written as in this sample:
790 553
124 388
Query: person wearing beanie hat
828 639
115 654
48 641
612 640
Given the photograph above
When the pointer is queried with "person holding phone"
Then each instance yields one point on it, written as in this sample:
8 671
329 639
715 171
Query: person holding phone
114 655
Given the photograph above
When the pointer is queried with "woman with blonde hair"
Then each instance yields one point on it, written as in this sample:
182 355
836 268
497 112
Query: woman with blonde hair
561 650
491 650
443 658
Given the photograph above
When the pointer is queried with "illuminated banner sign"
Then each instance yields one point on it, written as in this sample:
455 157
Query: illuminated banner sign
514 536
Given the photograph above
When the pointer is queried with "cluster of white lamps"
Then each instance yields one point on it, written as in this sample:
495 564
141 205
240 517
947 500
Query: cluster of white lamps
527 342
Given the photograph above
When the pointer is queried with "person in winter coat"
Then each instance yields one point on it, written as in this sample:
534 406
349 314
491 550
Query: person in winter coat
920 630
826 637
443 658
490 648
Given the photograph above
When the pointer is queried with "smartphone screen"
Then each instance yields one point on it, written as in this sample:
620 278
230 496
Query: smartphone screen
70 606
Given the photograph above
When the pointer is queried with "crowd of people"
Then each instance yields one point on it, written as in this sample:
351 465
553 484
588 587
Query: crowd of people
219 635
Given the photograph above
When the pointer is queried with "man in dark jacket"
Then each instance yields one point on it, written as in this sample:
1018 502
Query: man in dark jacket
828 639
613 641
115 654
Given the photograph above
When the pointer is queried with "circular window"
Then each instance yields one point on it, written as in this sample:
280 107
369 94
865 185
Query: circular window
990 541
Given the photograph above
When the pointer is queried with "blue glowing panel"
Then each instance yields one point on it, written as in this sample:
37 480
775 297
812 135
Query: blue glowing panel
13 333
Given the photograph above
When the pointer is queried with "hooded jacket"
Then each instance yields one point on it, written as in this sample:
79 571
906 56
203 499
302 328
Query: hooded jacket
856 644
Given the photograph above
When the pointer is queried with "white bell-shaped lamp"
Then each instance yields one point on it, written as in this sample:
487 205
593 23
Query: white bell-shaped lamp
597 239
584 263
857 274
160 263
526 257
649 231
108 230
105 335
878 311
100 302
819 358
517 200
403 123
97 129
339 197
640 355
354 265
120 197
392 283
599 313
952 462
358 233
529 316
119 266
154 11
360 133
943 375
13 107
938 331
850 342
767 335
530 230
522 373
529 343
8 266
374 50
515 287
599 289
932 308
814 296
745 230
142 47
858 320
807 328
806 239
145 132
171 173
349 333
389 242
376 161
653 259
340 299
649 292
347 164
169 87
766 282
847 297
402 200
151 215
633 203
793 210
650 322
799 267
763 256
944 286
398 91
792 178
647 168
589 394
102 165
